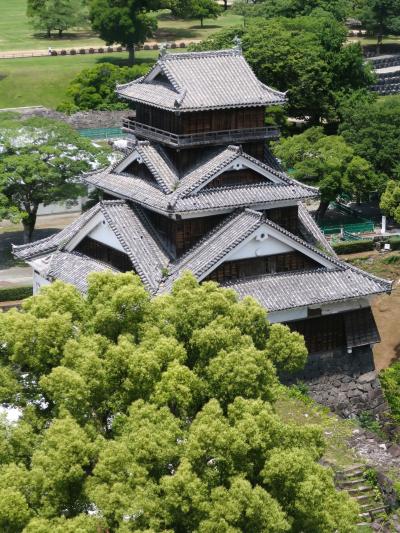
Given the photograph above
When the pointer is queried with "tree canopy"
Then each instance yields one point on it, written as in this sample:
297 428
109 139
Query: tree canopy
340 9
380 17
60 15
94 88
40 163
144 414
196 9
305 56
126 22
327 162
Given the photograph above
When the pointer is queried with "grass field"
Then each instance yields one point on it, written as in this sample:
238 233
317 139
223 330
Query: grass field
44 80
16 33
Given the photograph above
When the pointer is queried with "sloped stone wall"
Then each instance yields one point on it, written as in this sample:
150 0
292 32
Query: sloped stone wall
346 383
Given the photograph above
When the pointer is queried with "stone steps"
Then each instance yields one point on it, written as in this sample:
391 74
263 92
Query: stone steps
352 481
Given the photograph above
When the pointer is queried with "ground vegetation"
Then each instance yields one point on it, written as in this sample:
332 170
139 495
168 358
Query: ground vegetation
56 15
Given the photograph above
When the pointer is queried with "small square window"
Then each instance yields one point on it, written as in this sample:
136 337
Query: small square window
314 312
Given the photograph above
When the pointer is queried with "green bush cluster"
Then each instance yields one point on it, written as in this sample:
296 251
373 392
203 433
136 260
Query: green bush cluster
352 247
15 293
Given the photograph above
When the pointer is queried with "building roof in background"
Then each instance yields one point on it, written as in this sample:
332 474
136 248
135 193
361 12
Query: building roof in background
197 81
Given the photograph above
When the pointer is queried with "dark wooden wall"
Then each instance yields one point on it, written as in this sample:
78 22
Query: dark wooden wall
321 334
245 268
104 253
287 217
246 176
180 235
202 121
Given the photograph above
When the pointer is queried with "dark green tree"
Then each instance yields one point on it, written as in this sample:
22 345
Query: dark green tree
126 22
155 415
60 15
380 18
329 163
196 9
94 88
40 163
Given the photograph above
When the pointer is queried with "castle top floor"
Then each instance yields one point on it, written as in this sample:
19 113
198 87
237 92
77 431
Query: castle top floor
201 81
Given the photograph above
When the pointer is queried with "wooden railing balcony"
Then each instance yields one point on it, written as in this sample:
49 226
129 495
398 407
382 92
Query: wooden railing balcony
196 139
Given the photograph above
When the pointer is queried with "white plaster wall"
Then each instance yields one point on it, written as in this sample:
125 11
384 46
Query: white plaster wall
104 234
38 282
288 315
264 245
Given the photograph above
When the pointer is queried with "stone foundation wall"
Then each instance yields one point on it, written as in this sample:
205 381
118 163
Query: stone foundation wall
347 383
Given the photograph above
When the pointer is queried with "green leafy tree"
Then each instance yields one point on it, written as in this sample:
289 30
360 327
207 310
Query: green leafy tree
94 88
60 15
329 163
390 380
340 9
371 127
390 200
380 18
40 163
126 22
196 9
155 415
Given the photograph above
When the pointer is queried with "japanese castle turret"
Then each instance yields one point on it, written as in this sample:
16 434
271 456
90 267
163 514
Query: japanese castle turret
199 190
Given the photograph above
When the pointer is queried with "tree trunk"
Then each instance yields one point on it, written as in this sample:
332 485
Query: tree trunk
131 52
29 224
225 5
201 22
60 33
379 43
48 33
323 206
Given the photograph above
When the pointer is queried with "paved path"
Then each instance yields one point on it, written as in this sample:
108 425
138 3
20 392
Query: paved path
11 54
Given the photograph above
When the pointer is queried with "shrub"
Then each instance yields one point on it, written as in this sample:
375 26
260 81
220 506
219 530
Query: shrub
173 45
53 53
146 47
155 46
82 51
119 49
91 50
72 52
394 242
15 293
352 247
110 49
63 52
182 45
100 50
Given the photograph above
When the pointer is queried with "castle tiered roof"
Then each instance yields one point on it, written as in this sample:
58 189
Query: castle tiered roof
171 192
199 81
333 281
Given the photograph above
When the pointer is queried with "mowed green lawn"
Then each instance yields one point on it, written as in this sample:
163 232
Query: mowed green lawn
44 80
16 32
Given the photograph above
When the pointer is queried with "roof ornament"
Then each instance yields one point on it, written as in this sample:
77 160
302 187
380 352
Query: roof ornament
238 43
163 50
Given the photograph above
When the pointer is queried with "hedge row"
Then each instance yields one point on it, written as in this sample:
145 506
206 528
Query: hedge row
352 247
15 293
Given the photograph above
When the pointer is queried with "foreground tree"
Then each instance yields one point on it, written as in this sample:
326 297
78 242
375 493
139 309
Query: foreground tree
60 15
329 163
127 22
40 163
156 415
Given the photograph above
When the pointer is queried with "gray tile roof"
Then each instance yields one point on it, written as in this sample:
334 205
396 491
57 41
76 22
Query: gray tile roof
132 229
74 268
311 230
138 239
199 81
181 196
216 245
278 292
159 165
49 244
